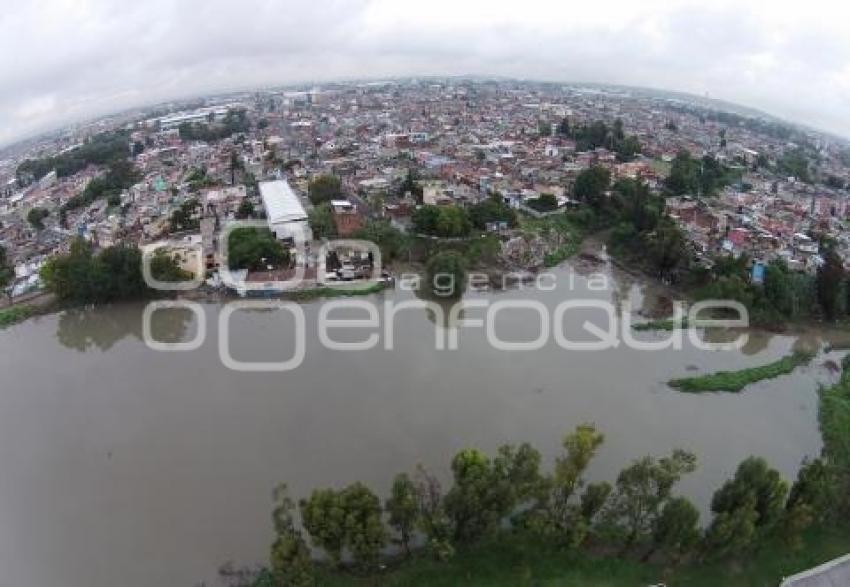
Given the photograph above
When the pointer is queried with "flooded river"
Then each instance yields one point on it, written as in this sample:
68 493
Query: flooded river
122 465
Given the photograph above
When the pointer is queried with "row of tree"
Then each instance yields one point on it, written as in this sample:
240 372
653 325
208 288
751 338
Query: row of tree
598 134
83 276
784 294
639 514
101 149
697 177
234 122
119 176
454 221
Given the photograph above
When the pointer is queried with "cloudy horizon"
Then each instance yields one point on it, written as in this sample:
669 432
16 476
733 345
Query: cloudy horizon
64 61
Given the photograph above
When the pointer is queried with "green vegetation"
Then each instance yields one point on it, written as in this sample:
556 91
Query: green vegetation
503 521
15 314
7 270
703 177
457 222
591 185
165 268
545 203
115 273
83 277
340 291
738 380
198 179
598 134
391 241
101 149
559 229
324 188
36 217
442 221
235 121
245 210
118 177
785 295
255 249
664 324
518 559
492 209
187 216
795 163
322 221
446 273
835 419
410 185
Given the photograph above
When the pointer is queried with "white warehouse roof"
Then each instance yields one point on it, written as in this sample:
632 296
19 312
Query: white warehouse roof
282 204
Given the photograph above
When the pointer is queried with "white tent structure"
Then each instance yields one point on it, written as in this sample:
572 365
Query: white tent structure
284 212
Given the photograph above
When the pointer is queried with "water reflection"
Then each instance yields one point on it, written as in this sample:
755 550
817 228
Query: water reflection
84 329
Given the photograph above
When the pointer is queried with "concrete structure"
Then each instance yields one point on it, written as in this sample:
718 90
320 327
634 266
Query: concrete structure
284 212
835 573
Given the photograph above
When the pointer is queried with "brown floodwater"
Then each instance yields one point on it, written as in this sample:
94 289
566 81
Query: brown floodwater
122 465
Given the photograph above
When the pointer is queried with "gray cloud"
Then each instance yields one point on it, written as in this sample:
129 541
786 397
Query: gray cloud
65 60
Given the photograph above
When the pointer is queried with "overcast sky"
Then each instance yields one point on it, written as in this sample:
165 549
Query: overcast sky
67 60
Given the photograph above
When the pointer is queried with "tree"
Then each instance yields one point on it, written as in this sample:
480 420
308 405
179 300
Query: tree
186 216
666 247
593 500
7 270
477 501
290 558
410 185
814 487
443 221
794 521
245 210
830 277
433 520
164 268
684 175
82 277
569 521
364 532
591 184
235 164
643 488
492 209
580 447
324 188
255 249
424 219
322 221
757 484
324 517
403 509
36 217
447 274
519 469
545 203
733 531
389 239
452 222
676 529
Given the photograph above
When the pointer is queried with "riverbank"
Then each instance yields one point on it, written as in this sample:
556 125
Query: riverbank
834 416
15 314
735 381
519 560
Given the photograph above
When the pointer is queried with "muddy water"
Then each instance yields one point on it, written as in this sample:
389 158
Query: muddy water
122 465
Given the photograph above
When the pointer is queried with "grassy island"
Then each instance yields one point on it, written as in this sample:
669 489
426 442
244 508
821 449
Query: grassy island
738 380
